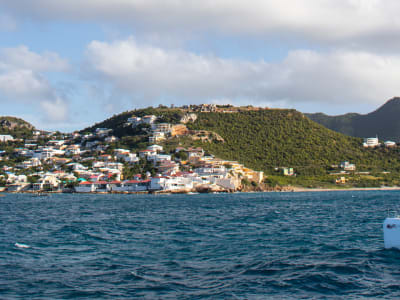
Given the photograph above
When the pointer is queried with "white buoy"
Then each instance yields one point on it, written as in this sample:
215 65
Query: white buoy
391 233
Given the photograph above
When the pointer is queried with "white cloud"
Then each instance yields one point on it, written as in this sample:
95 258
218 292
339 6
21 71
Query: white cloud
56 110
352 21
21 57
149 74
22 81
23 85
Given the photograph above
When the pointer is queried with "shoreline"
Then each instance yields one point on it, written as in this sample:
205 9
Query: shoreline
284 190
352 189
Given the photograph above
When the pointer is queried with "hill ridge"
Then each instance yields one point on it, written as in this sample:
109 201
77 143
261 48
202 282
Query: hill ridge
384 122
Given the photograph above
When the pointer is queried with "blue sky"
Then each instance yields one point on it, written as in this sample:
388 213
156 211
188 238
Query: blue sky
67 64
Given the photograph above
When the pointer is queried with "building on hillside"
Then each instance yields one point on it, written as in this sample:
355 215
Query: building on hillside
157 137
188 118
156 148
150 119
31 163
287 171
135 121
345 165
208 107
103 132
146 153
162 127
371 142
390 144
341 180
47 183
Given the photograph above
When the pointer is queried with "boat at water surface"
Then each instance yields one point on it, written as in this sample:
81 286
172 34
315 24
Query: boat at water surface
391 232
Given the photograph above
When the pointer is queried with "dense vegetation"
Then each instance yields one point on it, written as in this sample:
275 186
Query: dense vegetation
267 139
384 122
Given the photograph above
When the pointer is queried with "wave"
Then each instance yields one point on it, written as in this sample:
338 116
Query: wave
23 246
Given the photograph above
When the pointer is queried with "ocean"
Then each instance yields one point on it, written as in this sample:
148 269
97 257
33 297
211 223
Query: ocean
318 245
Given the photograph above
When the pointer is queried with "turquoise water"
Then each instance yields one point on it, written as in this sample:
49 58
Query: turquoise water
235 246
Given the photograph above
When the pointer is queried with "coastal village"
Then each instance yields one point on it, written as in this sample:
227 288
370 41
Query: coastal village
85 163
90 163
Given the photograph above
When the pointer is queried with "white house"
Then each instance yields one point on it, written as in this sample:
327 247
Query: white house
157 137
44 153
345 165
73 150
145 153
390 144
133 186
48 182
85 187
150 119
216 172
31 163
12 178
102 132
155 148
77 166
135 121
159 157
371 142
162 127
90 187
172 183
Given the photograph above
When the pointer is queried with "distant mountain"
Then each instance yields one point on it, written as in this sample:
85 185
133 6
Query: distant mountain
384 122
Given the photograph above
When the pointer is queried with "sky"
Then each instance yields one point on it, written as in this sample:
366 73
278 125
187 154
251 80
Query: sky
65 65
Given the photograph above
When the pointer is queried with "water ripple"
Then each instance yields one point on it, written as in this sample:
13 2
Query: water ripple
241 246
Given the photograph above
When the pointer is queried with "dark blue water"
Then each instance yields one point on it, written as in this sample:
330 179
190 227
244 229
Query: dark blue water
239 246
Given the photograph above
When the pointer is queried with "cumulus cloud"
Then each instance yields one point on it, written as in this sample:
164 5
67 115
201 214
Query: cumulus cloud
349 21
21 57
56 111
154 74
23 84
22 79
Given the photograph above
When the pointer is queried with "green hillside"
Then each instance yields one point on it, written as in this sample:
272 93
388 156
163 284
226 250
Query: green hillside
384 122
262 140
267 139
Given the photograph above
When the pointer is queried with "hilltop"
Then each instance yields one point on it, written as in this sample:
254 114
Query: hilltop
262 139
384 122
271 138
15 126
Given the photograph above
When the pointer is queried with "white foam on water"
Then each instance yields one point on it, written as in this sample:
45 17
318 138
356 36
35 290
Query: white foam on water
21 246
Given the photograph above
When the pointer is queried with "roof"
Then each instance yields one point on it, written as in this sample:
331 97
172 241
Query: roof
101 182
132 181
115 182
